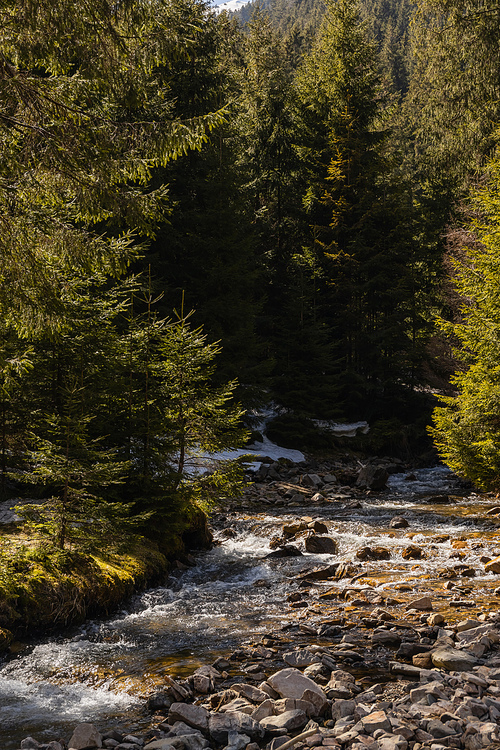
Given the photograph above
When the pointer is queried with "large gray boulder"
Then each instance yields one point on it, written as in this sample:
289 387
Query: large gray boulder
453 660
290 683
193 716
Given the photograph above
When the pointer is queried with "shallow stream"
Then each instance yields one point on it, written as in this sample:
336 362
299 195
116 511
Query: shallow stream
103 671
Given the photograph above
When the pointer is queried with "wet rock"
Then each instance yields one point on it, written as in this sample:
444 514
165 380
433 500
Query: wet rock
438 499
386 638
301 658
373 553
29 743
85 736
291 529
372 477
319 574
412 553
220 725
423 604
493 566
286 722
321 545
287 551
193 716
398 522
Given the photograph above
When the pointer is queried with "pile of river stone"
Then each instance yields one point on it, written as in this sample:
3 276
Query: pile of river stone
312 701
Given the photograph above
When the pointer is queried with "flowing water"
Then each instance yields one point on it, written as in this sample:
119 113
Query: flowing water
103 671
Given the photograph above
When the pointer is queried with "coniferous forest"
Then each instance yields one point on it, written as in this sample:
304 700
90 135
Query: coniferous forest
205 213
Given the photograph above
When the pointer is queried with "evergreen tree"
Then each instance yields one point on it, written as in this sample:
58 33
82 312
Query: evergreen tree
454 94
85 114
77 471
467 428
355 210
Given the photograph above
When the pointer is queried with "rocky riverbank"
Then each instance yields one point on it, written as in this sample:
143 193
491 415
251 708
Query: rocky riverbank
410 664
278 694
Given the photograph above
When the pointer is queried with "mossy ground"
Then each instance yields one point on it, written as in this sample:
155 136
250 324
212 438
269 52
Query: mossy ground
44 588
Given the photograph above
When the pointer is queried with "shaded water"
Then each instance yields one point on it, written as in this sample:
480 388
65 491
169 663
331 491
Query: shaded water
103 671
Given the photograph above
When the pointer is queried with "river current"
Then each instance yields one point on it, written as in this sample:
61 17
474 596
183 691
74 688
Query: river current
103 671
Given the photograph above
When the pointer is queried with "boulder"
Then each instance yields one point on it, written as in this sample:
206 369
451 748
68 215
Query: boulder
424 604
237 741
85 736
286 722
422 660
453 660
318 527
386 638
290 683
263 710
287 551
372 478
398 522
376 720
311 480
238 704
320 574
193 716
300 658
373 553
291 529
220 725
321 545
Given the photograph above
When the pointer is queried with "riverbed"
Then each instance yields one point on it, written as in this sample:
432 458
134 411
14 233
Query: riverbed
104 671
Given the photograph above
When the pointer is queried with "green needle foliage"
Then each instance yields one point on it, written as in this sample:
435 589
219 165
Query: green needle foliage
86 115
467 427
77 471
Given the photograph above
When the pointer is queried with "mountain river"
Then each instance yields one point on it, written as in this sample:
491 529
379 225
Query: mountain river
104 670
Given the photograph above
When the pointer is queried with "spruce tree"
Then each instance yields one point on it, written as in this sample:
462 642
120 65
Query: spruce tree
466 427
